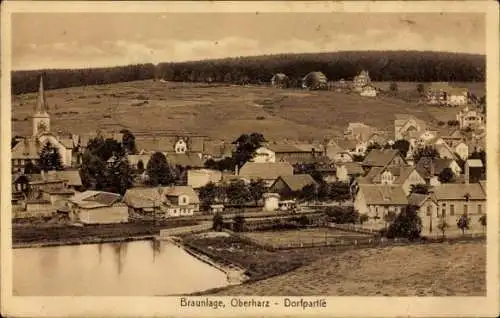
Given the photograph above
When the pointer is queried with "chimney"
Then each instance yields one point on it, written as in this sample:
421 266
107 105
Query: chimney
432 171
467 173
236 170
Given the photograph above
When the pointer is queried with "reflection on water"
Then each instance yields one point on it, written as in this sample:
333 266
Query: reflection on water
141 268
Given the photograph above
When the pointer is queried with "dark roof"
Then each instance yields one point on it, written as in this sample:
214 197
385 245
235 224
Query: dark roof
376 194
297 182
184 160
265 171
423 166
353 168
456 191
380 158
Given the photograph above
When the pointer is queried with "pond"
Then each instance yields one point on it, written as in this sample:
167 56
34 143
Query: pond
139 268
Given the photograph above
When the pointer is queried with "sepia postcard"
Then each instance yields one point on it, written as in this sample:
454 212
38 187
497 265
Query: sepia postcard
257 159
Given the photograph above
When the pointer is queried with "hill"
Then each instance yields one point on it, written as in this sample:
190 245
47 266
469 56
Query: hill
412 66
217 111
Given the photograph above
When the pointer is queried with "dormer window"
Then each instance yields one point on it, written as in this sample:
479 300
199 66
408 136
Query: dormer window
180 146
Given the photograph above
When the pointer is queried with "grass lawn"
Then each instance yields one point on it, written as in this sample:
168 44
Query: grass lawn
216 111
418 270
306 236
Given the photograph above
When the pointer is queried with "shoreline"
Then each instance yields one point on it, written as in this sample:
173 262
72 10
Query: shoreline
85 241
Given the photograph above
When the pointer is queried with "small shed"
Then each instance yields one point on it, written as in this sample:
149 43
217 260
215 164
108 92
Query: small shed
271 201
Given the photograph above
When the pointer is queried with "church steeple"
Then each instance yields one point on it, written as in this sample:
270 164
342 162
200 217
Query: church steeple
41 118
41 103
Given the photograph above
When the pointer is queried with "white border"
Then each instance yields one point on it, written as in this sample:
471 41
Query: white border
337 306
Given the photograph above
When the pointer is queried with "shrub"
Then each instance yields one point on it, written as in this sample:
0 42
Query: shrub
407 224
260 118
342 215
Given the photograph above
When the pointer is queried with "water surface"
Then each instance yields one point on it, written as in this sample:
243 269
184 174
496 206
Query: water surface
140 268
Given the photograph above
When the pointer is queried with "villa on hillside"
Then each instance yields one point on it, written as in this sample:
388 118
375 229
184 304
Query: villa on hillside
361 80
444 94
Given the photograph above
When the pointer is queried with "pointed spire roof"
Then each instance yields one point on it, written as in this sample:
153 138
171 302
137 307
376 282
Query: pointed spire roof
41 103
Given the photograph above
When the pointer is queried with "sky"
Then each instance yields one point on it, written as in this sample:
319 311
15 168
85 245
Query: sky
80 40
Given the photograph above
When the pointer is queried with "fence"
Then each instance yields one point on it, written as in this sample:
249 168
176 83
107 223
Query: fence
346 243
353 228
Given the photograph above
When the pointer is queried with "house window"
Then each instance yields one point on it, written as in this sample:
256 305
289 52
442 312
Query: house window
429 210
479 209
466 208
443 209
452 209
184 200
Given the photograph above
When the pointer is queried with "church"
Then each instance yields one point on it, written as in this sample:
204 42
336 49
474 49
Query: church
28 149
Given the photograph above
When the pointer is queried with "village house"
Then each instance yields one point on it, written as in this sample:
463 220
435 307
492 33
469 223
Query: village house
268 172
170 201
280 80
315 81
217 149
462 150
291 153
350 146
361 80
348 171
427 210
403 176
468 117
288 186
96 207
369 91
474 171
431 168
335 153
382 158
454 200
29 148
444 94
359 131
405 125
198 178
376 200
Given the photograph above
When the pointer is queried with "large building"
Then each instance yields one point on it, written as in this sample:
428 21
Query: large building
28 149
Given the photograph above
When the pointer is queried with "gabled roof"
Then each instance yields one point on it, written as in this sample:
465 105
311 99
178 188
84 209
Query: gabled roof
458 191
29 148
418 199
353 168
401 173
167 143
265 171
176 191
184 159
377 194
95 199
423 166
347 144
380 158
297 182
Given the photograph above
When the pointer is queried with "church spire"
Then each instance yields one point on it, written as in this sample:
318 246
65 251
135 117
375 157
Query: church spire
41 103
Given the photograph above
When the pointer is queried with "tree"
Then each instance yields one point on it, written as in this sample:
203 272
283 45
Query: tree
463 223
119 175
308 193
419 188
403 146
239 223
342 215
358 158
257 189
482 221
226 164
217 222
93 171
372 146
237 192
50 158
140 167
208 194
406 224
446 176
340 191
158 170
389 217
443 226
427 151
363 218
420 88
128 141
246 145
453 123
393 87
30 168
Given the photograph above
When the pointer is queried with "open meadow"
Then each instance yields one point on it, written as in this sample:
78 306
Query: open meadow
441 269
216 111
311 236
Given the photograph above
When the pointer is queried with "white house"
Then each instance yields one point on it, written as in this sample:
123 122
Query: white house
97 207
468 117
376 200
368 91
263 155
462 150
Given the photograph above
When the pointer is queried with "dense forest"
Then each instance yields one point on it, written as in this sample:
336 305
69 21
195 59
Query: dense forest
383 66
